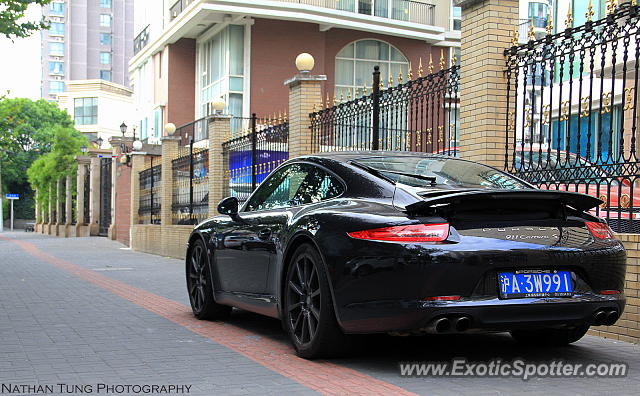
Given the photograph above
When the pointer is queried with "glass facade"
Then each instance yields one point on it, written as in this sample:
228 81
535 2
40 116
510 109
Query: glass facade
456 18
56 29
105 3
56 68
355 63
56 49
56 86
105 58
105 38
221 70
105 75
85 111
105 20
539 14
56 9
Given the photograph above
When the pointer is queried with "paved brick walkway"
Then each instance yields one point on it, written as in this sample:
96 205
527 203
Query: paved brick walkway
87 311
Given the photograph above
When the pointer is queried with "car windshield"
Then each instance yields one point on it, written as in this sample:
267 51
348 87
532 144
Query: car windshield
440 172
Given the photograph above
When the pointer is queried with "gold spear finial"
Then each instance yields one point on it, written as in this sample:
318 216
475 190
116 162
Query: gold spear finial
285 116
364 88
550 25
454 59
381 85
348 94
589 14
341 95
410 74
442 61
328 100
390 80
400 77
532 36
568 24
430 63
634 2
611 5
279 117
420 71
514 39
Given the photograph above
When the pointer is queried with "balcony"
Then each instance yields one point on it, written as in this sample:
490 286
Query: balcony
141 40
399 10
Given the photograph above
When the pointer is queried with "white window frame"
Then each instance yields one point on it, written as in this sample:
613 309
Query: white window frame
341 89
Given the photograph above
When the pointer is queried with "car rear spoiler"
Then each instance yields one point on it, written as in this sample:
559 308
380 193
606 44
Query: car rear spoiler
575 200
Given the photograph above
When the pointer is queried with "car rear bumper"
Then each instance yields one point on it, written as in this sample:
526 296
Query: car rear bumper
489 314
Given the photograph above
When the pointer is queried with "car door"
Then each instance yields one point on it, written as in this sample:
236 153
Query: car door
249 239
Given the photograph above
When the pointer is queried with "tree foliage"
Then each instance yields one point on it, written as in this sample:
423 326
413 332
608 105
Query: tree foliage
28 130
11 15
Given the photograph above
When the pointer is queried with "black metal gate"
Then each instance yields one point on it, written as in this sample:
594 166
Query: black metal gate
87 188
105 196
572 114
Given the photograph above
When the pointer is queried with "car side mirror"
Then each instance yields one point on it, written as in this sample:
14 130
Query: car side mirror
228 206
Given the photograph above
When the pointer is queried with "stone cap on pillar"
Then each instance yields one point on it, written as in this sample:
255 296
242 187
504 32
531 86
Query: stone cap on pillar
169 138
465 3
220 117
83 159
300 77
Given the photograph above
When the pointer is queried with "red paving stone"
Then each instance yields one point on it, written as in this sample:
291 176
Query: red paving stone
321 376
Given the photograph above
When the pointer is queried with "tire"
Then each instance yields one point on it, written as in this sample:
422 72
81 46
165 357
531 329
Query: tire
309 317
199 285
550 337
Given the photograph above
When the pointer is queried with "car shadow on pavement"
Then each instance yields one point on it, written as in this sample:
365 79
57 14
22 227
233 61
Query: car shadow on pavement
384 352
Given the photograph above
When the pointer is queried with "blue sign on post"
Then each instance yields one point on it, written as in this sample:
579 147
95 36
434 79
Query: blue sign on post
12 196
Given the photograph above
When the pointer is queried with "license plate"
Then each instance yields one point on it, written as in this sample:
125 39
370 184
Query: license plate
522 284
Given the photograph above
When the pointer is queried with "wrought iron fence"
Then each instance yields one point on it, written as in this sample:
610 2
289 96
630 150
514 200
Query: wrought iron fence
190 202
419 115
197 130
149 201
572 114
250 157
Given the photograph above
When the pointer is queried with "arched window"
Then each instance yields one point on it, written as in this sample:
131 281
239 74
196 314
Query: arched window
355 62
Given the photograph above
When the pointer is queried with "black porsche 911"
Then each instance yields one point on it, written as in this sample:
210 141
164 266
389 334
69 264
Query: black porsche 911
407 243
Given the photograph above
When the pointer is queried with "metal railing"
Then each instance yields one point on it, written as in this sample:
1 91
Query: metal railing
402 10
195 131
141 40
572 114
419 115
178 7
190 195
252 156
149 203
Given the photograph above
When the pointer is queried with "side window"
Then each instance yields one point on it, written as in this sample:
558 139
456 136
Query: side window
296 184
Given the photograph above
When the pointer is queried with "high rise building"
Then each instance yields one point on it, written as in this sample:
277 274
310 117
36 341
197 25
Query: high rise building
88 39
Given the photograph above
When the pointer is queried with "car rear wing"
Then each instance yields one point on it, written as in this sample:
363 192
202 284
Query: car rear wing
581 202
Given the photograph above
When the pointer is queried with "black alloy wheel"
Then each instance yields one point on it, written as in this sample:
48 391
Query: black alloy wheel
308 308
199 285
304 299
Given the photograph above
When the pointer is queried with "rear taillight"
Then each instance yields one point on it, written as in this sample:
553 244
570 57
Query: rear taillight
406 233
609 292
599 230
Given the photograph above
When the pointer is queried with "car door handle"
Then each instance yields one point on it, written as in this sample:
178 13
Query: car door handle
264 234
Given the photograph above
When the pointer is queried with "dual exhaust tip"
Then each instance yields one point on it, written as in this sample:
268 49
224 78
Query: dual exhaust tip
605 318
449 324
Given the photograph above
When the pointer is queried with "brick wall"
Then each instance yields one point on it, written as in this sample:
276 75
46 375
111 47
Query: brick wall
169 241
122 203
275 45
628 326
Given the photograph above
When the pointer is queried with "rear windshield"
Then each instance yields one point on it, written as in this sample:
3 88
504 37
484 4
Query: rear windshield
443 171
